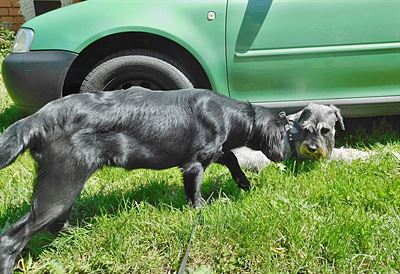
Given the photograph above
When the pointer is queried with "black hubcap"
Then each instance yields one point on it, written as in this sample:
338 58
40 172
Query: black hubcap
142 79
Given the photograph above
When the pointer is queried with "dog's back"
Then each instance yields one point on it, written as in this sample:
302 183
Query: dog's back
141 128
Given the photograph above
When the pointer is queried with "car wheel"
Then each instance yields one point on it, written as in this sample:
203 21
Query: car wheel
135 68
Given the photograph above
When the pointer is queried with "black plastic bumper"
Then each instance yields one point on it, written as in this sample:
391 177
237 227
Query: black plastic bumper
32 79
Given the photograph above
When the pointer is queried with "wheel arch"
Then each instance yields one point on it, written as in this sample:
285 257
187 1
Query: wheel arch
97 51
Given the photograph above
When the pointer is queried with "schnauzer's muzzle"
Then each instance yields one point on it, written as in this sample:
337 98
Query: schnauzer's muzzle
312 150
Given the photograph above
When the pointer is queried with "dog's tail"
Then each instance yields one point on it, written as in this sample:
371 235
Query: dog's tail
14 140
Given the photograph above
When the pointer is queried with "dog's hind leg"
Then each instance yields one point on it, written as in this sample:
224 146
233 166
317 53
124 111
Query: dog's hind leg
230 161
57 186
192 176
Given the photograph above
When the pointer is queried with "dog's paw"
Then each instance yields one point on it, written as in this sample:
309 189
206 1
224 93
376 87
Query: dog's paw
58 227
349 154
197 204
244 184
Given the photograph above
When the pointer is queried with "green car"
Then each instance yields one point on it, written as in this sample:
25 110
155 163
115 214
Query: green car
279 53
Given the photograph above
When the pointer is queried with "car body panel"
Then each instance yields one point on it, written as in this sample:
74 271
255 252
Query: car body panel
301 50
184 22
305 23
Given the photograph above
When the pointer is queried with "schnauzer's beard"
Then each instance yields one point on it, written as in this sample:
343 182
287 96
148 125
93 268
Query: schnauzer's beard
304 154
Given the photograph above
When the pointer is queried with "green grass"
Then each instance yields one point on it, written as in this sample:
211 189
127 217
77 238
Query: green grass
298 217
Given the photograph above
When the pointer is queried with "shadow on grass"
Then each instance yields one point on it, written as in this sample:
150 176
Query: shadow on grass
9 116
158 194
365 132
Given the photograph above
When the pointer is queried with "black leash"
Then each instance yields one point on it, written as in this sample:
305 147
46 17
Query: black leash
194 228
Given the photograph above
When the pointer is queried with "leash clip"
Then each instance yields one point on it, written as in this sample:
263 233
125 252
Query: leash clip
283 116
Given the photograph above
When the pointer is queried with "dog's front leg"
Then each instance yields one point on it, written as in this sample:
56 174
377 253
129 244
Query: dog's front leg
192 176
60 223
230 161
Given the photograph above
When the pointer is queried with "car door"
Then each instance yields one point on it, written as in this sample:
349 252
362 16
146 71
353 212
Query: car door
308 50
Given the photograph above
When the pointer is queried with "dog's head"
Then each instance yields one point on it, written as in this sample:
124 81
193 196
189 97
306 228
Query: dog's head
317 123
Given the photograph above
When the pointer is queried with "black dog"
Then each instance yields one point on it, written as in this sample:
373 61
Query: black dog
72 137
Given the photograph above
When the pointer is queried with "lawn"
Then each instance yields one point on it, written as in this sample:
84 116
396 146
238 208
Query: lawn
298 217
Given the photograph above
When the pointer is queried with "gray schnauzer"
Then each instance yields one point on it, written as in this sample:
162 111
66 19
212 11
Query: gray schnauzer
72 137
316 124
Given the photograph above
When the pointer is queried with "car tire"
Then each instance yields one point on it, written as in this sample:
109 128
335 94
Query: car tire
136 68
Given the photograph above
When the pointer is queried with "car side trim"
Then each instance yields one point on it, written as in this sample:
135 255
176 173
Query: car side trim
351 107
318 50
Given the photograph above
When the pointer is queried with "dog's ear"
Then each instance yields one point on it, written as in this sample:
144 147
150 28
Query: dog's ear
338 116
295 116
272 144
